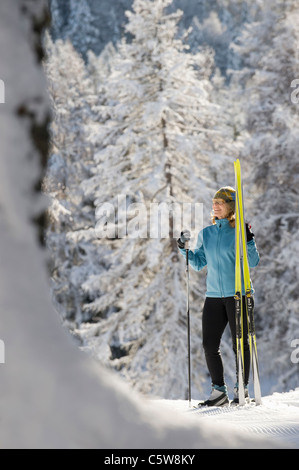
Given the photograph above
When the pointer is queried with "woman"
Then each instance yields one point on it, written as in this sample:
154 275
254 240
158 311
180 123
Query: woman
216 249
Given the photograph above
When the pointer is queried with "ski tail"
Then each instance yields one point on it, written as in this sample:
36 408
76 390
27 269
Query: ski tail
240 348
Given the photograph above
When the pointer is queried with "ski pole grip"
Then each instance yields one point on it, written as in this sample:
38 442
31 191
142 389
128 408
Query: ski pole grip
187 245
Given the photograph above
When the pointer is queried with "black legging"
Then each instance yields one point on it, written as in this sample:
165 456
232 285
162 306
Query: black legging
217 312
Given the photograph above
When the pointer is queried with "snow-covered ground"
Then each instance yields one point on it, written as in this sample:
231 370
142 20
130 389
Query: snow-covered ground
277 418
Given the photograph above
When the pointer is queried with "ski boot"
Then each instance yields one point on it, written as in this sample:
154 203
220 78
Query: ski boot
218 397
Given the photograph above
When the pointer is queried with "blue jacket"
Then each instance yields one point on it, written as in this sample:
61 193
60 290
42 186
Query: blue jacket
215 249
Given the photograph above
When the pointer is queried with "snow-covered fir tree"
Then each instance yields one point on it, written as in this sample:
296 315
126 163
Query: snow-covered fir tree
269 48
99 69
70 235
164 143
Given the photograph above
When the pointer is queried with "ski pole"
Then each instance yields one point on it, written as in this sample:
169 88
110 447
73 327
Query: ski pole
188 322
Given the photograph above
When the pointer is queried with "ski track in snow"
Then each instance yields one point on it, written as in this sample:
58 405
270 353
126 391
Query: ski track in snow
277 418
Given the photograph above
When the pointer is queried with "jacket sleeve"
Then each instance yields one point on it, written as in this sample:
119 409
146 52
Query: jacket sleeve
253 254
197 258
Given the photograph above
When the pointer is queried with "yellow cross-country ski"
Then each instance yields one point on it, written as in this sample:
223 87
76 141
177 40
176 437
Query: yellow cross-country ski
242 267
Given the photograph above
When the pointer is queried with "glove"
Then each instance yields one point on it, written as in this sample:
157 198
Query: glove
185 237
249 232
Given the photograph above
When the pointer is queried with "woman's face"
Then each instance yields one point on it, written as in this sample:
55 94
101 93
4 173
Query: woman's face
220 208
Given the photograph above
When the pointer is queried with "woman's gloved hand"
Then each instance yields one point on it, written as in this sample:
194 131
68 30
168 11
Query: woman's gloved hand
185 237
249 233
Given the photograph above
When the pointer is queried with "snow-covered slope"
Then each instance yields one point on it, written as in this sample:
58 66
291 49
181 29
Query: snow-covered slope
277 418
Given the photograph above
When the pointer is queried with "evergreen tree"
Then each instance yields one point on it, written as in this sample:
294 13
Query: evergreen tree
70 234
